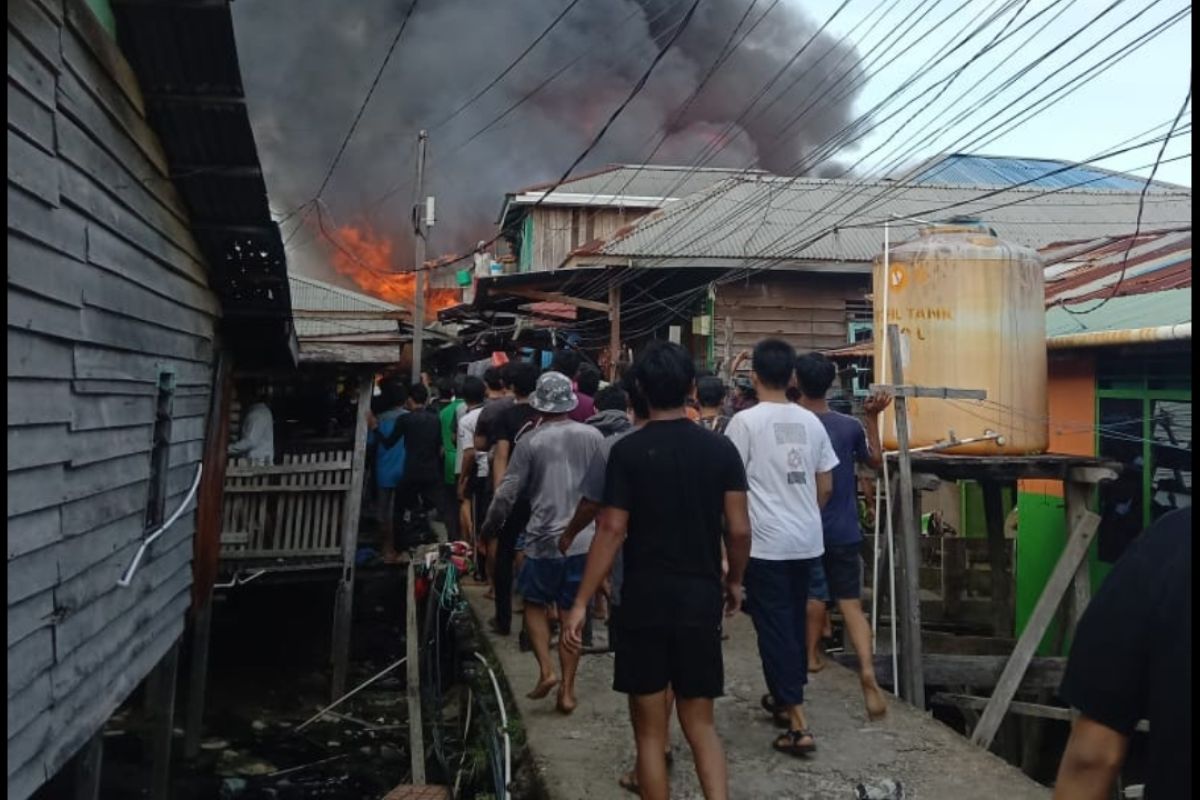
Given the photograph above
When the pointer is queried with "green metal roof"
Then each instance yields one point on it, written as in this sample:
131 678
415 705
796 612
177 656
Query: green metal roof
1124 313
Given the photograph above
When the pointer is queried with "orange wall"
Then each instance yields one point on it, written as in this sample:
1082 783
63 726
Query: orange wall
1071 398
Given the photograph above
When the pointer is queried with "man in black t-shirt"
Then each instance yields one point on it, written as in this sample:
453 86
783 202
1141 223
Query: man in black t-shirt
1132 660
421 431
499 398
512 423
671 491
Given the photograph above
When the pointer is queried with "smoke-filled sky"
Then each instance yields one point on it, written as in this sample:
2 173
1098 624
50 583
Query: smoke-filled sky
307 65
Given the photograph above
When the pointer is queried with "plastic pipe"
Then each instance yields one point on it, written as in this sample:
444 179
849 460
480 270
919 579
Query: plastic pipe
125 580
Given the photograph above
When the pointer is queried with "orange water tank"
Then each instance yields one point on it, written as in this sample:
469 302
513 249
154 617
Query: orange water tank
971 313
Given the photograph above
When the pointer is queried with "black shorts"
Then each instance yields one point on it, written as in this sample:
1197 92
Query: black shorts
843 572
686 658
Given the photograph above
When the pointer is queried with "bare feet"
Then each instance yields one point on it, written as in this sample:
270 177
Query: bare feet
875 701
565 703
543 688
816 665
489 595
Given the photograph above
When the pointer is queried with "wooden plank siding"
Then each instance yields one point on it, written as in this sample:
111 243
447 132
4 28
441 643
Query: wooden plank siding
810 311
559 230
106 288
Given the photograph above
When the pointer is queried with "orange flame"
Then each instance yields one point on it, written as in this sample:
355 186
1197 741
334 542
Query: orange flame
366 258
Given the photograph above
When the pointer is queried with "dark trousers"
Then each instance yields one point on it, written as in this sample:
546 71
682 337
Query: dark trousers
448 509
506 553
778 596
417 495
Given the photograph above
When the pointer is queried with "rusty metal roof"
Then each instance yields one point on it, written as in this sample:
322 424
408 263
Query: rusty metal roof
1081 271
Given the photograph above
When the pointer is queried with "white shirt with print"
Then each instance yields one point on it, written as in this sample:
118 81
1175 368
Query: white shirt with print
783 447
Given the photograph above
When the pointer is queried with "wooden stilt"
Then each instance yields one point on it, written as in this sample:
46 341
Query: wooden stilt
416 732
160 718
614 325
343 607
1076 495
86 768
993 506
197 678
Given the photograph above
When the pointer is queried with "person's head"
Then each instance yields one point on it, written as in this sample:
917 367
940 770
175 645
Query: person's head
611 398
473 390
418 396
710 391
426 378
445 388
493 379
664 373
553 395
815 373
566 362
522 377
252 390
772 362
392 394
637 402
588 380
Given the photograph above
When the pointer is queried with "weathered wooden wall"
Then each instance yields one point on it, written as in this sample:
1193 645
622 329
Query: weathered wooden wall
106 286
557 231
811 311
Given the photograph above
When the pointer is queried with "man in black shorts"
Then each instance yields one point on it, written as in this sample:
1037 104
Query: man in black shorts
669 486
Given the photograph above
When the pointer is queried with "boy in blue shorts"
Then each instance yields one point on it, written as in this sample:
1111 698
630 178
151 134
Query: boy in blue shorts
842 560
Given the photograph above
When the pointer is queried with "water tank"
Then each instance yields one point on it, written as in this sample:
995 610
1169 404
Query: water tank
971 313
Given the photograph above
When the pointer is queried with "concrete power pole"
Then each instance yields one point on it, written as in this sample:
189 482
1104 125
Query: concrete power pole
419 230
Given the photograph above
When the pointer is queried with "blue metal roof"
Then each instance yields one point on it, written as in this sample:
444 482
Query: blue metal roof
960 169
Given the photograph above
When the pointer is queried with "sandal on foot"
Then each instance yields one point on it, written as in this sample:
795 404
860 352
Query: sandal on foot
790 742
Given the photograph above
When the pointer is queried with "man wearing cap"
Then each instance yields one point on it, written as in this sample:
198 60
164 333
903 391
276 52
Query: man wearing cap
549 464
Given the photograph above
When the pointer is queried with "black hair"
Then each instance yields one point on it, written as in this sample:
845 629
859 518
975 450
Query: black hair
664 373
493 378
773 362
522 377
637 400
418 393
566 362
815 373
445 387
710 391
611 398
588 380
392 394
473 390
793 394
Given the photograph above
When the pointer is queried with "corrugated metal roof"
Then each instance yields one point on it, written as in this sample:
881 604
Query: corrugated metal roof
664 183
965 169
309 294
785 219
1124 313
1081 271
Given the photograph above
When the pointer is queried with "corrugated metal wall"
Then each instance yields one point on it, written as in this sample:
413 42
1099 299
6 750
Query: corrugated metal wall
106 288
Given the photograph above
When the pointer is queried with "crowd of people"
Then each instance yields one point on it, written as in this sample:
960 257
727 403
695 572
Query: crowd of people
660 504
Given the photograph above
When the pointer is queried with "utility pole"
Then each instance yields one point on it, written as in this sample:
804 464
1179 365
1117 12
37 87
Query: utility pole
419 231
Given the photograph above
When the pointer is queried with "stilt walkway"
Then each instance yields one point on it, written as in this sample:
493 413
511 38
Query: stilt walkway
581 757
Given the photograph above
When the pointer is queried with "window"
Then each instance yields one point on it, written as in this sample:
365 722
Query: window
160 450
861 332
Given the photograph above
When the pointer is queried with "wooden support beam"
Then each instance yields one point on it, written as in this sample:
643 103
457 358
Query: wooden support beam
197 677
558 297
943 392
85 766
416 733
160 718
1078 540
1039 710
1076 496
912 680
343 610
614 325
977 672
998 559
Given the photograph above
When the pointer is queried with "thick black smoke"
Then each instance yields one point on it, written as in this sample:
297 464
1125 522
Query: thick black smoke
308 63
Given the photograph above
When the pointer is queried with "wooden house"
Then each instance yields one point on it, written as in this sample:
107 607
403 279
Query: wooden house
143 265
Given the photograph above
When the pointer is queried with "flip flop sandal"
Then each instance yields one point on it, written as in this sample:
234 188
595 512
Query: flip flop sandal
790 743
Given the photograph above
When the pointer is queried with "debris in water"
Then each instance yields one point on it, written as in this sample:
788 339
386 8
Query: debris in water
389 753
232 787
255 768
258 725
214 744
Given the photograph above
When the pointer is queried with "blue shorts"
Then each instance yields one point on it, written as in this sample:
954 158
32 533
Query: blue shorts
551 581
837 575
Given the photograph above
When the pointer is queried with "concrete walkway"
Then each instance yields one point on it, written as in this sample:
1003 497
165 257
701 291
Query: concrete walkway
580 757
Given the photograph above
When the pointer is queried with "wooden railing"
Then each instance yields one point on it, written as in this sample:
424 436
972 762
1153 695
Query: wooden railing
293 509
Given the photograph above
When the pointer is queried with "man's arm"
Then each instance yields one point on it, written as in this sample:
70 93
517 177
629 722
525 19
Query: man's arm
507 492
824 487
500 462
737 547
249 434
585 514
1091 763
397 432
468 469
872 408
610 535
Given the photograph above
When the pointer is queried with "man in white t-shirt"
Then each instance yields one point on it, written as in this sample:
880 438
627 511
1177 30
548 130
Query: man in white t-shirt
471 466
789 467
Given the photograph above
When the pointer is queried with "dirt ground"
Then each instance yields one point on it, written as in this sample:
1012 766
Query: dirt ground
580 757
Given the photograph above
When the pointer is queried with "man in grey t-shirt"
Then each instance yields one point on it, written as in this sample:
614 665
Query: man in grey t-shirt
548 464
